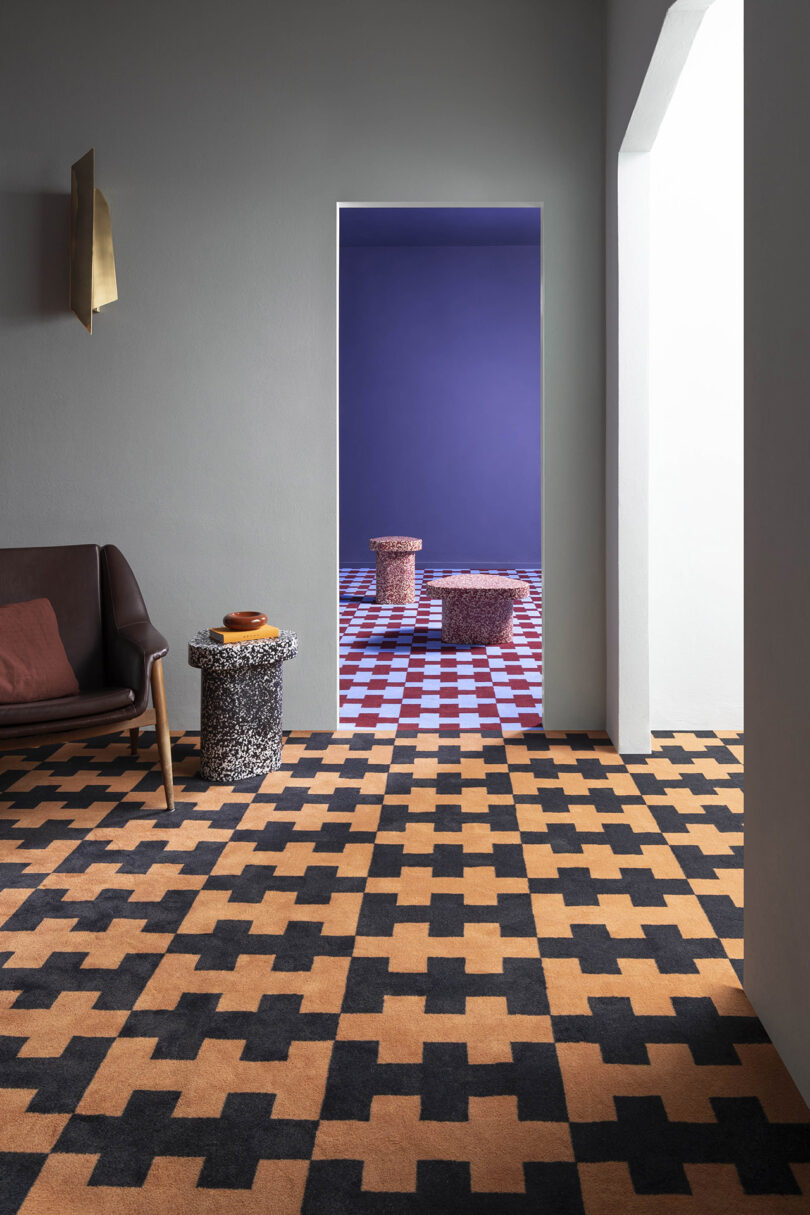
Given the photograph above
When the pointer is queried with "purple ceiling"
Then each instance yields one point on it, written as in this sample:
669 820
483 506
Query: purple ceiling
439 226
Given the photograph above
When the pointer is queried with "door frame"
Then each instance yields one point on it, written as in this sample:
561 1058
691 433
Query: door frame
387 204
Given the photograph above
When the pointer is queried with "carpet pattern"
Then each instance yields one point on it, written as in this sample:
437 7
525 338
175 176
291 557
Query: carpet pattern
395 672
408 973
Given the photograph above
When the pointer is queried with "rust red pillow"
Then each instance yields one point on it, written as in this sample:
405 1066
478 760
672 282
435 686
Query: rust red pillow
33 662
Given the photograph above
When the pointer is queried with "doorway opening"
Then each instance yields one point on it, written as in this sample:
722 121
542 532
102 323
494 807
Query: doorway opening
678 574
696 388
440 421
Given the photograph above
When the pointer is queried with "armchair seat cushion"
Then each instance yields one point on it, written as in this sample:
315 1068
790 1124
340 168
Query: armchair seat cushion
100 701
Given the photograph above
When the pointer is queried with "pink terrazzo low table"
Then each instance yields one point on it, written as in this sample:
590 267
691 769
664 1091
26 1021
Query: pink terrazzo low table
477 608
396 568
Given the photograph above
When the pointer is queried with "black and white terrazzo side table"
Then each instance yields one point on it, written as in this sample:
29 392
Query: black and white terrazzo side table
240 705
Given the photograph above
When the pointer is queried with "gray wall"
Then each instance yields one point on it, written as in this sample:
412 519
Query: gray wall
196 428
632 29
777 381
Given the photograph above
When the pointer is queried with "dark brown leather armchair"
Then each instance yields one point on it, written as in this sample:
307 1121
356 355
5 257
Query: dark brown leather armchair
112 645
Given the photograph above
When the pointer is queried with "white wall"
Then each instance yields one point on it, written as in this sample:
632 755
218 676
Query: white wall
696 388
647 46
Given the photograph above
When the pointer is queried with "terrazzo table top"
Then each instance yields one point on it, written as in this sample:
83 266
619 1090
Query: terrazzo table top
213 656
395 544
484 584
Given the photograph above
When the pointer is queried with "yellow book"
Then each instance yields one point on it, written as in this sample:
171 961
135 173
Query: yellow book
233 636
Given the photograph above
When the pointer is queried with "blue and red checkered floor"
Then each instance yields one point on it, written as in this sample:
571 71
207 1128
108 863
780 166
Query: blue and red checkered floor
396 673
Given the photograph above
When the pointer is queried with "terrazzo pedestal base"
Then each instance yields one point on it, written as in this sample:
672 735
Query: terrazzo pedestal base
476 621
477 608
240 705
396 568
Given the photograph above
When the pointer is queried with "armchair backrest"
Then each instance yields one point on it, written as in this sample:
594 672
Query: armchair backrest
70 576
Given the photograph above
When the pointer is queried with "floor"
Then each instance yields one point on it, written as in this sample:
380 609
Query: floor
408 973
394 671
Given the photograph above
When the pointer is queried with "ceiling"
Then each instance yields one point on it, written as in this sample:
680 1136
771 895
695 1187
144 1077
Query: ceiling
439 226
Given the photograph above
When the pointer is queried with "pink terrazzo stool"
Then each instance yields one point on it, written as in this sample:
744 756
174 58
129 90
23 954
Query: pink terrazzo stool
396 568
477 608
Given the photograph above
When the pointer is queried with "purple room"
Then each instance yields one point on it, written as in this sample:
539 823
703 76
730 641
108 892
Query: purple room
440 389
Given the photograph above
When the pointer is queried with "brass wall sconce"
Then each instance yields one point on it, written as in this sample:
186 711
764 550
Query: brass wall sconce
92 264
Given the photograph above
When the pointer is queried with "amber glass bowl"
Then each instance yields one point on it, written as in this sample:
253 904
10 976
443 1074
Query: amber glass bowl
241 622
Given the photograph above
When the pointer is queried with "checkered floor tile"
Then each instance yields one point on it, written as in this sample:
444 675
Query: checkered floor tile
395 672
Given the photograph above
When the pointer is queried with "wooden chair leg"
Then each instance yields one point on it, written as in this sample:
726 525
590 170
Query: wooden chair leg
133 741
164 740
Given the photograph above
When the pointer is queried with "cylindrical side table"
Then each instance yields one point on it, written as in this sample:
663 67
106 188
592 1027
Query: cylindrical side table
477 608
396 567
240 705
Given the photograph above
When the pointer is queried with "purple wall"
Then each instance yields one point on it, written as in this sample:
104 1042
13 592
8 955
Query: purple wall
440 398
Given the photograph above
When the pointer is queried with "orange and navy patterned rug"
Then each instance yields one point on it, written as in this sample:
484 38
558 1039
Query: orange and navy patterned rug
408 973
